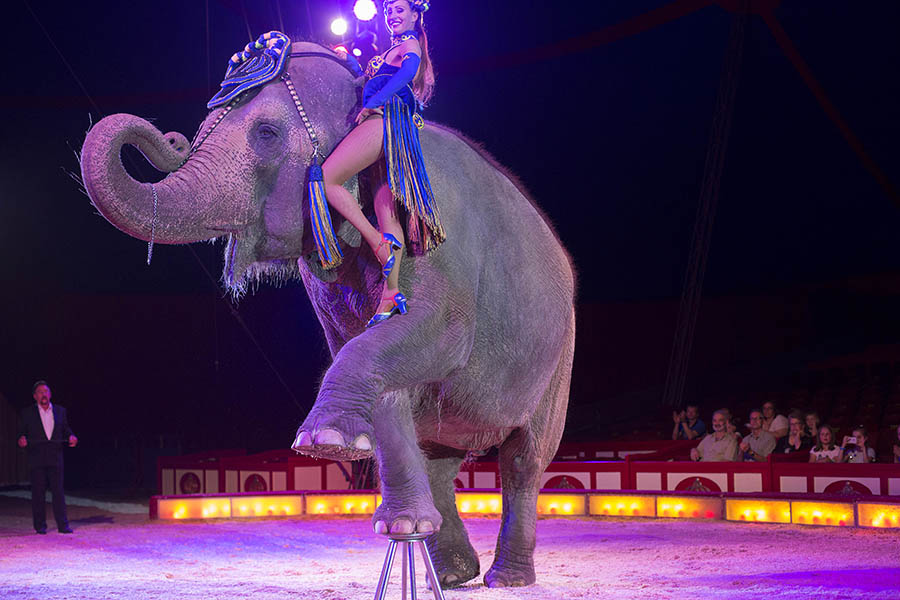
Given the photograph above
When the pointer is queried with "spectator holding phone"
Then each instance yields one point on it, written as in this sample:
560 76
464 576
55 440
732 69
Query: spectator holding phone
825 450
855 448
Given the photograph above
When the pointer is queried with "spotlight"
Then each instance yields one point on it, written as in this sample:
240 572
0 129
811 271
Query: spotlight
364 10
357 52
340 48
339 26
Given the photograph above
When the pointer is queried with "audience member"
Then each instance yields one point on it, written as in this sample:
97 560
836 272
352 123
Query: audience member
688 425
774 423
812 425
731 424
897 447
796 440
825 450
717 446
759 443
855 448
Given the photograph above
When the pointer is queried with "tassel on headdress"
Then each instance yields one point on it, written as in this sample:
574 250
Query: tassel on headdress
330 253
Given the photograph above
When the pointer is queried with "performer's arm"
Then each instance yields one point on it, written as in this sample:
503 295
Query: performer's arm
408 69
354 66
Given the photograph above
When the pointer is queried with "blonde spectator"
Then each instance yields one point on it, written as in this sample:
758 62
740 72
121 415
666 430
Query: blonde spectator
812 424
825 450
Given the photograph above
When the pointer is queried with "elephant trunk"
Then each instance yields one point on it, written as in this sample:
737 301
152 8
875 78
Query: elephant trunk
184 203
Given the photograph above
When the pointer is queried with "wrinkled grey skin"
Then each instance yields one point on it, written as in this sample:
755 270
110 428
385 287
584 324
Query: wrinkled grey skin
482 359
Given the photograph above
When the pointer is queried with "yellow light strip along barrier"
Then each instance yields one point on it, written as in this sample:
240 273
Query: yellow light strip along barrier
682 507
761 510
341 504
468 503
839 514
623 506
877 515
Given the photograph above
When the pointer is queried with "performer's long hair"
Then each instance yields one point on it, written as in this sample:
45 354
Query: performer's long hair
423 82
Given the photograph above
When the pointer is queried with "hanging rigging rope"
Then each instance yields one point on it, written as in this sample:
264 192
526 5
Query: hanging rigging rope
706 212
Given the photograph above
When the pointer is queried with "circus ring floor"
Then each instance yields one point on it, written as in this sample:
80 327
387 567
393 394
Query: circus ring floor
128 556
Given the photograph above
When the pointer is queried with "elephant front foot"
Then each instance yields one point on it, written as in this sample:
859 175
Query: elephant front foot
510 574
419 516
455 560
340 436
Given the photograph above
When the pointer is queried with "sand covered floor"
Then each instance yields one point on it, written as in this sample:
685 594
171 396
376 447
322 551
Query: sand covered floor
130 557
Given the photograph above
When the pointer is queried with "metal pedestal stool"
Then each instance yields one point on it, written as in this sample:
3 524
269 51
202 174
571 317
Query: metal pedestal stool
406 543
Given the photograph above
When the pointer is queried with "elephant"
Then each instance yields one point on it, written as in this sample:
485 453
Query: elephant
482 359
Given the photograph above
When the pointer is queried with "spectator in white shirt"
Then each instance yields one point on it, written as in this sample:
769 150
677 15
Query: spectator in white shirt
825 450
775 424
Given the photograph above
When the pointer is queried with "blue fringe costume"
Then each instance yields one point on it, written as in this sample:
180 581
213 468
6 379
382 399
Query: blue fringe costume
390 88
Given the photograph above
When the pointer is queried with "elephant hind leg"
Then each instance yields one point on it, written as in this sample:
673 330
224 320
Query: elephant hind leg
523 457
451 551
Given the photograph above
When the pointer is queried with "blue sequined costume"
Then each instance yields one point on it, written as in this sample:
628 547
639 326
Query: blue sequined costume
407 177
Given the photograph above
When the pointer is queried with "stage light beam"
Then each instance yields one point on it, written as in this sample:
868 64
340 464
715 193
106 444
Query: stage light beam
339 26
365 10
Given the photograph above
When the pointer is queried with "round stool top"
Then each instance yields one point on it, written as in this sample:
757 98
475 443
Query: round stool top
408 537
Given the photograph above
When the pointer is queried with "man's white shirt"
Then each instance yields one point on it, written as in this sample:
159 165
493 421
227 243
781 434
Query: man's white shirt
47 420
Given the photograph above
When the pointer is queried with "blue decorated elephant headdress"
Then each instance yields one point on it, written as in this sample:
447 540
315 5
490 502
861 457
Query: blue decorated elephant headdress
259 63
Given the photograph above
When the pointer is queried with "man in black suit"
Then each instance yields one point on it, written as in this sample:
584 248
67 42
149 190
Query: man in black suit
43 429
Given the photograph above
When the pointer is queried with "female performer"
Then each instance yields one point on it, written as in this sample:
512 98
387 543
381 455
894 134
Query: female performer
399 82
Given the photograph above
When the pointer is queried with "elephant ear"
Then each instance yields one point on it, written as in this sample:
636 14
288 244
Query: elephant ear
259 63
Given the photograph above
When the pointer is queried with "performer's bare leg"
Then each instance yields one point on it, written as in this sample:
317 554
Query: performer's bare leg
358 150
361 148
389 222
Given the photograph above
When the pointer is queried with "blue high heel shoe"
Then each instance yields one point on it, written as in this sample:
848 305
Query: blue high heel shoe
387 238
399 307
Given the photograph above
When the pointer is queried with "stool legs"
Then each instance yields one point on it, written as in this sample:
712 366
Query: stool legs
408 566
430 573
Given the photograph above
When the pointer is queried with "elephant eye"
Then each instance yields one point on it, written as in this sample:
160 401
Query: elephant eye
267 132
